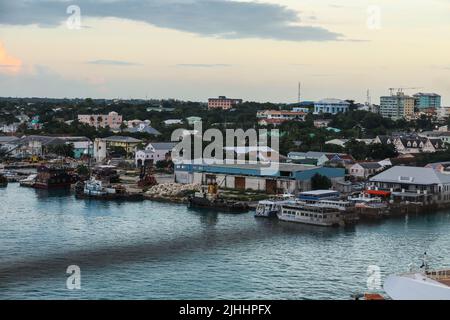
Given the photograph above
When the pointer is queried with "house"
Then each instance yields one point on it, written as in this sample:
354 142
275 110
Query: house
154 152
34 145
335 159
363 170
383 140
128 143
289 178
414 184
82 146
439 166
143 128
193 120
433 145
412 144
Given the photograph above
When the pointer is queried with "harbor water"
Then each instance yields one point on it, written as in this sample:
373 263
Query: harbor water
152 250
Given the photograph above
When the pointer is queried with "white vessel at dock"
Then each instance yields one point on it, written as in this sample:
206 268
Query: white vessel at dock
314 214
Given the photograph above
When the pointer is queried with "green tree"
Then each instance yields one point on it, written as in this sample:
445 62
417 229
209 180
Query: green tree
320 182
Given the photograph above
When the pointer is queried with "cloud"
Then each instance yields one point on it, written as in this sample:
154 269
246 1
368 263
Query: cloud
8 64
203 65
211 18
113 63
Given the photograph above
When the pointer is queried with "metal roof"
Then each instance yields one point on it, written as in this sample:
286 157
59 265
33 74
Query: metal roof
412 175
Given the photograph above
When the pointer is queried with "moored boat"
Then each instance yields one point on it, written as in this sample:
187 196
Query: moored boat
313 214
209 198
53 177
94 189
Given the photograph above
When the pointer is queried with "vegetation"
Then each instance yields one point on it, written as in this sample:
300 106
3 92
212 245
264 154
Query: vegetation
320 182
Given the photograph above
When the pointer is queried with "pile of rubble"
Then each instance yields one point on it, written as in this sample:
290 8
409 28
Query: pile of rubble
172 191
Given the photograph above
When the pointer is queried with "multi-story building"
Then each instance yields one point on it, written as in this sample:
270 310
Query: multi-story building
397 106
332 106
223 103
427 100
112 120
276 117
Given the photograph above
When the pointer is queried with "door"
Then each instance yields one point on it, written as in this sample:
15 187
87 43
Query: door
239 183
271 186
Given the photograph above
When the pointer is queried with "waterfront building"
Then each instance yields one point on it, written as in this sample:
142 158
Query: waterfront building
413 183
223 103
427 100
154 152
111 120
397 106
290 178
333 106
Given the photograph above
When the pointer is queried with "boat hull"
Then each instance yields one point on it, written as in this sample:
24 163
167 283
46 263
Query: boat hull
112 197
230 207
310 222
415 287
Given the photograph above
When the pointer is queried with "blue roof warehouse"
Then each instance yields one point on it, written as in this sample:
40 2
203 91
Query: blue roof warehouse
290 178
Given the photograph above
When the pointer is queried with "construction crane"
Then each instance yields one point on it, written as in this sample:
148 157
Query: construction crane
400 90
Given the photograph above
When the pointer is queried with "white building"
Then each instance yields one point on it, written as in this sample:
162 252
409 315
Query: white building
154 152
332 106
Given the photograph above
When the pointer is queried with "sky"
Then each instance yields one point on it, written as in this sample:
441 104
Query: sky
196 49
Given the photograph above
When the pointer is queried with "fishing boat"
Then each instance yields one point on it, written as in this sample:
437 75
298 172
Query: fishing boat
53 177
313 214
425 284
209 198
94 189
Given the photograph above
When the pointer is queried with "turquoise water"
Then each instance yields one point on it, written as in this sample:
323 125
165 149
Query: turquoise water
151 250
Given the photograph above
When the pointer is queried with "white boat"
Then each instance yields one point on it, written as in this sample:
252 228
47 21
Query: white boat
270 208
314 214
423 285
28 181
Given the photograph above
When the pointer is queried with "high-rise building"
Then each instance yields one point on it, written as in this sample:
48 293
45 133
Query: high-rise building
427 100
397 106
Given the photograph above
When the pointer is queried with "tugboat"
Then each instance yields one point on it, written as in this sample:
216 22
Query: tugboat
94 189
209 198
53 177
